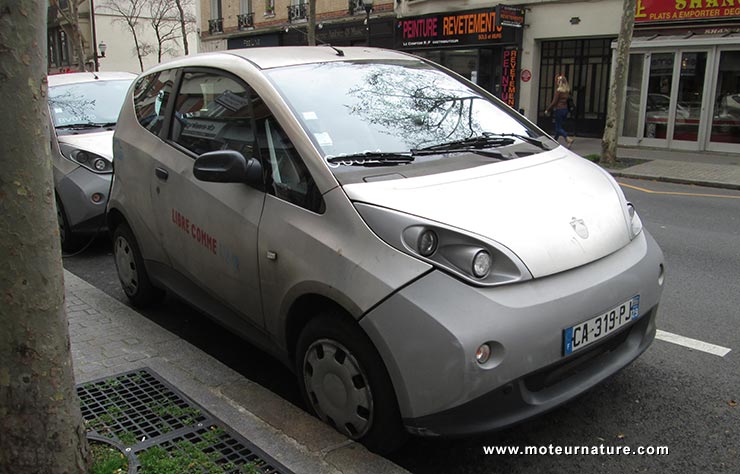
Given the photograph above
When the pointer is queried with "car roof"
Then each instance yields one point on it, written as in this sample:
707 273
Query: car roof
280 56
77 77
271 57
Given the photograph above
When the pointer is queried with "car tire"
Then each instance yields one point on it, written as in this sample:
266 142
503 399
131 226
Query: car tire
131 271
70 240
344 382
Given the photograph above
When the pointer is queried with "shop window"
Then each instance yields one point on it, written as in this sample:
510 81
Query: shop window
726 116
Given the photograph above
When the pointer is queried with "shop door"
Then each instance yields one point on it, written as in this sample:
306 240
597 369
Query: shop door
724 132
665 101
655 98
586 64
688 111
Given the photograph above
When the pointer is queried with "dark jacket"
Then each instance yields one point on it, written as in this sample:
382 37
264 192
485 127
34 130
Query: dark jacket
560 101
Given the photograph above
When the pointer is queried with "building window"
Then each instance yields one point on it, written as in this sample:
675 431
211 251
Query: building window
269 7
245 19
216 23
297 10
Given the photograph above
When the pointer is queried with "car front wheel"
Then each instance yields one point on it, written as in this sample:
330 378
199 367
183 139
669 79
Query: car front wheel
344 381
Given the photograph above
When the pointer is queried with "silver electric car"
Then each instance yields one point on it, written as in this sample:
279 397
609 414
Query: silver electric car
426 259
83 108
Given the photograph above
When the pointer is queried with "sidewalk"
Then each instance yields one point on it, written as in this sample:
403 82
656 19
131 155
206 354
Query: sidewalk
717 170
108 338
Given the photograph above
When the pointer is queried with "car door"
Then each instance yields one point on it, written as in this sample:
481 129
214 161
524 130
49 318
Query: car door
209 229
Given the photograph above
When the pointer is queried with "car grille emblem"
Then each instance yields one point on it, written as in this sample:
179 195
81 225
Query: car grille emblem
580 227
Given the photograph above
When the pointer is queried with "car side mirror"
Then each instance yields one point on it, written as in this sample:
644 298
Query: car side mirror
228 166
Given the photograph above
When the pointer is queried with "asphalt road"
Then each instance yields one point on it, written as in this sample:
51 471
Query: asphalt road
673 396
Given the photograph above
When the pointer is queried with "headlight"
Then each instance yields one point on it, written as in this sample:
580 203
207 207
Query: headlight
477 260
635 221
89 160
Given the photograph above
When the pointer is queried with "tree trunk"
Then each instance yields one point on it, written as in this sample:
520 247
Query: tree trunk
617 89
132 27
311 22
41 426
181 14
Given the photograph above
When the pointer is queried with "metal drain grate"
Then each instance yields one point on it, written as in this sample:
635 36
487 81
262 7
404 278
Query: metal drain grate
149 417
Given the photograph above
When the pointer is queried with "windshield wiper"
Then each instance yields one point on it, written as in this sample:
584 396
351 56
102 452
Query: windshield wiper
82 126
476 144
531 140
372 158
467 144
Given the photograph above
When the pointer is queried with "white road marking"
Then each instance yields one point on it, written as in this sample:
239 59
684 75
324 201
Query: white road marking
692 343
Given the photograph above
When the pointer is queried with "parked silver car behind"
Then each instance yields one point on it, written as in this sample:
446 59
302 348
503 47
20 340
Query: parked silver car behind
427 260
83 108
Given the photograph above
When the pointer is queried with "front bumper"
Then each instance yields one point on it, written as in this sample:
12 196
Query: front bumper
428 333
76 190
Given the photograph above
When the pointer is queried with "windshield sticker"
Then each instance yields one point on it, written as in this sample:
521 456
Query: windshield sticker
323 138
310 116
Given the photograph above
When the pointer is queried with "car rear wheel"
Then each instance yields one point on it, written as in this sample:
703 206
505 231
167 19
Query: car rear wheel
131 271
345 383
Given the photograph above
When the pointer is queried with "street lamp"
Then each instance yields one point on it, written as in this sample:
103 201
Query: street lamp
368 8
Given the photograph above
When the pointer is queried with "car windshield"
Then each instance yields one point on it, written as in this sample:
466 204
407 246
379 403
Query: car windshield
361 110
87 104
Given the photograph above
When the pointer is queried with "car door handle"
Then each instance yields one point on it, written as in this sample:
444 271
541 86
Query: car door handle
162 173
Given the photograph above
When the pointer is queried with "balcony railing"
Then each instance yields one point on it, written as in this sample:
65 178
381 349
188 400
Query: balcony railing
297 12
216 26
356 7
245 20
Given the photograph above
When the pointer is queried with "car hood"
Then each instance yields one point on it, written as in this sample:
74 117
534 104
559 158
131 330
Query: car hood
554 210
96 142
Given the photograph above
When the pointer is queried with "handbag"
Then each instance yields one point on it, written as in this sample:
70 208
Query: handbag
571 106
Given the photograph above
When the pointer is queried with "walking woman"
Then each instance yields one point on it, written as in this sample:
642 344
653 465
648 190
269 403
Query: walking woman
559 107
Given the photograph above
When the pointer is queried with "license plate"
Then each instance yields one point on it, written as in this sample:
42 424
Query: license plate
582 335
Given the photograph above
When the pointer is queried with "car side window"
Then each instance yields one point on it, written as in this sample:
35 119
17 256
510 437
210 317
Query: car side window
212 112
287 176
151 95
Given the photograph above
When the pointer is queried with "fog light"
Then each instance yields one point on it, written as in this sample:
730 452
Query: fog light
427 243
96 198
483 354
661 275
482 264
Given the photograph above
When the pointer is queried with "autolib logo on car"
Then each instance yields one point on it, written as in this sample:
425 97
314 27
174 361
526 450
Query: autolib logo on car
580 227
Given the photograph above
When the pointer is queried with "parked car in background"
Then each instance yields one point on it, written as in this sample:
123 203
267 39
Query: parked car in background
427 260
83 108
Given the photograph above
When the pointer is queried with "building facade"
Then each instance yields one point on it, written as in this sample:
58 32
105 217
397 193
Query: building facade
108 40
684 70
232 24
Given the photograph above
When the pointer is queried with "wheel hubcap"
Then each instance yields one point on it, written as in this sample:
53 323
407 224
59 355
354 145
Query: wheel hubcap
337 388
126 265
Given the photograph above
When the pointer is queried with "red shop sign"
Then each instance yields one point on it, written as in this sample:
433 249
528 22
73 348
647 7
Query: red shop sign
648 11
